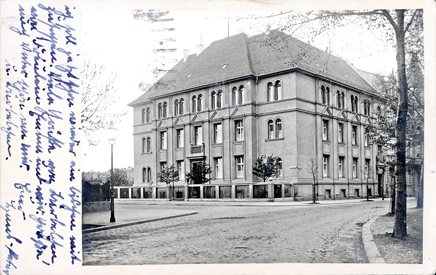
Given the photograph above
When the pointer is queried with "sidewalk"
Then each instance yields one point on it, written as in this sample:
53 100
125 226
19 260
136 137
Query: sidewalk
381 247
392 250
128 214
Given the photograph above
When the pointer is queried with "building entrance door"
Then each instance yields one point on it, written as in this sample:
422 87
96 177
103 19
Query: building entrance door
380 185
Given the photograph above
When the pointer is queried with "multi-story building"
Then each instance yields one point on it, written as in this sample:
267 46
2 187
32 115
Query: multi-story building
243 97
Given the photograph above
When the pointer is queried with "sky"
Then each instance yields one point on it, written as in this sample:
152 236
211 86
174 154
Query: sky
125 46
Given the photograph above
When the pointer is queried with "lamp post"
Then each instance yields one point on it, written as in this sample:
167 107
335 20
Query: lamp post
112 131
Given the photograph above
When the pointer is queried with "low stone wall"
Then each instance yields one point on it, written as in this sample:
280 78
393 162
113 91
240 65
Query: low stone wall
96 206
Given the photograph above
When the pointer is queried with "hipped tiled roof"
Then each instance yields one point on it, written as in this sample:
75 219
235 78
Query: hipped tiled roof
240 56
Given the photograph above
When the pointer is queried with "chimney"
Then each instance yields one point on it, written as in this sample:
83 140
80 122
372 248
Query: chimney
200 48
185 55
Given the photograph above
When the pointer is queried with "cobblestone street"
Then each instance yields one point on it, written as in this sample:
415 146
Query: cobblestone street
239 234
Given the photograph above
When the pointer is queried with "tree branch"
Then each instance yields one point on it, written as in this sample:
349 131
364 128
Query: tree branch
391 20
411 20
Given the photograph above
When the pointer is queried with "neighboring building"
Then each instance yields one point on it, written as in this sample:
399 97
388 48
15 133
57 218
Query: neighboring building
243 97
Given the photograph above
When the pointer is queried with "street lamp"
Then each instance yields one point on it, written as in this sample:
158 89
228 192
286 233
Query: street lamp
111 132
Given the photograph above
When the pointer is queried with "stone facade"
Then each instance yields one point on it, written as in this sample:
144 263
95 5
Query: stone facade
296 114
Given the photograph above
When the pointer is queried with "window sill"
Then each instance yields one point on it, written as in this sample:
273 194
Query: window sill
274 139
146 153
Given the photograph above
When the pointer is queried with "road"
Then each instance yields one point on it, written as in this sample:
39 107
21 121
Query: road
239 234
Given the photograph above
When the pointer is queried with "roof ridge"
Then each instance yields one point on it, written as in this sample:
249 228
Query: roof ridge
241 33
250 62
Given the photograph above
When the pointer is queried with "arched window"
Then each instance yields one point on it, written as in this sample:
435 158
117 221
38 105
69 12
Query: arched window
234 90
219 99
342 100
182 101
270 92
327 95
241 95
323 95
279 168
164 112
339 102
279 129
148 174
368 106
213 99
356 104
176 107
143 116
144 174
353 107
148 115
378 114
144 145
278 90
148 145
194 104
159 110
271 133
200 97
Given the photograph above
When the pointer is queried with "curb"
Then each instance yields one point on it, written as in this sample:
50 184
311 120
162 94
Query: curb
371 249
106 227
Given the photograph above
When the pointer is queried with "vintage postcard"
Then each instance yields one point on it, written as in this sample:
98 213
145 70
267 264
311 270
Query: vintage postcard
217 137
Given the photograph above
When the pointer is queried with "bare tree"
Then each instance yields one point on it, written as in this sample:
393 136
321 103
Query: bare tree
98 96
312 169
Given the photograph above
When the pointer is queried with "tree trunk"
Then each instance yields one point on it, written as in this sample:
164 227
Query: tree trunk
400 227
420 202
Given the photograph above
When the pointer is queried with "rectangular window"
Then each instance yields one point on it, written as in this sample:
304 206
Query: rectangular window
340 132
341 167
198 135
218 133
325 130
163 140
366 138
180 138
239 130
239 167
218 168
181 169
162 166
325 166
354 167
354 135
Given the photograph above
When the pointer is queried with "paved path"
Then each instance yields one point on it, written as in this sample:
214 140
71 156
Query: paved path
252 233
